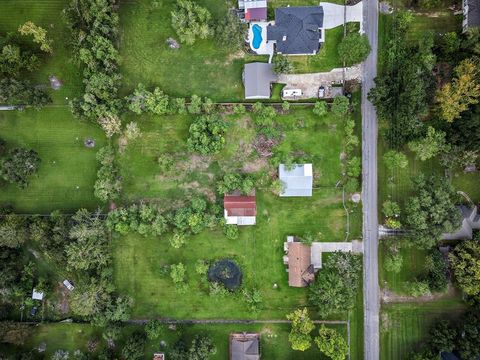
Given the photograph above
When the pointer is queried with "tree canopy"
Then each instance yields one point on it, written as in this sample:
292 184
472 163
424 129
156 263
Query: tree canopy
190 21
207 134
354 48
19 165
465 262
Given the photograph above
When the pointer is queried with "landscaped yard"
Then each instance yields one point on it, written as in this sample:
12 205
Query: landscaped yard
404 326
68 169
259 249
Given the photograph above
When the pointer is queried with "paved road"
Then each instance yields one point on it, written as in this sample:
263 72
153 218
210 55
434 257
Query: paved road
369 189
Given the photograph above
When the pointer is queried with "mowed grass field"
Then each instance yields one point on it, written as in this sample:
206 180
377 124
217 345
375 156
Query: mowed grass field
203 69
405 326
68 169
274 343
47 14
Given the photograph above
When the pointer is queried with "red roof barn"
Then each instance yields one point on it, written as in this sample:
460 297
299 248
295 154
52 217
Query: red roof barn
240 210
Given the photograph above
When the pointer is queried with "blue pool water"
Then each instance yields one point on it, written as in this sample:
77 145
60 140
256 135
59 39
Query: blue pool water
257 36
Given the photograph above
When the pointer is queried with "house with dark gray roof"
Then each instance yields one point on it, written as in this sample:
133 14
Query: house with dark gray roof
245 346
470 222
297 30
471 14
257 80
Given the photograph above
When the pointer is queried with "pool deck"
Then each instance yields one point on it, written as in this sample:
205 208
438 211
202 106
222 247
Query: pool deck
264 48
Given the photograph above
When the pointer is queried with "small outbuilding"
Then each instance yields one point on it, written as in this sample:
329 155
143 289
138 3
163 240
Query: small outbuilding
240 210
159 356
257 80
254 10
37 295
68 285
297 180
245 346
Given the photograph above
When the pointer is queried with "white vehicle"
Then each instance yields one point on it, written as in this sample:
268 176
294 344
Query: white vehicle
68 285
321 92
291 92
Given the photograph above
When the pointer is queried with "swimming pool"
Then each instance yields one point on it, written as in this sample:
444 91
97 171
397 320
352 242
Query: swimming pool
257 36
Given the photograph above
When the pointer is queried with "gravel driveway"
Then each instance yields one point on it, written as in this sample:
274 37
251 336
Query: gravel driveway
309 83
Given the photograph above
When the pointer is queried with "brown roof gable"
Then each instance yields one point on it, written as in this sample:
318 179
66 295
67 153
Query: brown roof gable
300 268
240 205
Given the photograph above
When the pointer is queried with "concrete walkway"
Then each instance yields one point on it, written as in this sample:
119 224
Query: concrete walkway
309 83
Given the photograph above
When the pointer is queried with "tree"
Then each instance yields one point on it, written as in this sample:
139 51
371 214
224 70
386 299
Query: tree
464 90
465 262
89 299
88 249
108 184
331 343
320 108
177 273
231 231
230 32
335 287
39 35
354 48
111 333
340 106
190 21
154 329
393 263
13 230
391 209
61 355
14 60
207 134
21 92
281 65
234 181
201 348
134 347
302 326
431 211
132 131
354 167
416 288
403 91
14 333
395 160
19 165
431 145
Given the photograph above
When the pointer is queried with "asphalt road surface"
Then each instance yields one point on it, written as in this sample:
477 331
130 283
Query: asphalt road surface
371 291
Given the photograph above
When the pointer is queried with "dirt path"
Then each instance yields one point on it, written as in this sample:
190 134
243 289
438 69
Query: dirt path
390 297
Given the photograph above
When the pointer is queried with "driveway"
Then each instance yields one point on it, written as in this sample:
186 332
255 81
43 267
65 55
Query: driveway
309 83
334 14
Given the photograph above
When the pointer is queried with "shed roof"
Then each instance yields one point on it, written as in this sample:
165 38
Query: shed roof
296 29
37 295
297 181
257 78
240 205
256 14
244 346
300 268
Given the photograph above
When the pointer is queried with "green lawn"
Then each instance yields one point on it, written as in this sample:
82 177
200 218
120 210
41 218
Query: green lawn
404 326
68 169
48 14
326 59
203 69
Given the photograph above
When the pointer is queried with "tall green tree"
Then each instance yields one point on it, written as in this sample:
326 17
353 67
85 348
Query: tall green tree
354 48
299 337
19 165
331 343
431 145
465 262
190 21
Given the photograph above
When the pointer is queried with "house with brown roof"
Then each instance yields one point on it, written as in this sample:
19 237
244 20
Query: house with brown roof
240 210
298 258
244 346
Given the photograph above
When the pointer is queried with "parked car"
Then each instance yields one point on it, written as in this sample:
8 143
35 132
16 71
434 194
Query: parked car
34 310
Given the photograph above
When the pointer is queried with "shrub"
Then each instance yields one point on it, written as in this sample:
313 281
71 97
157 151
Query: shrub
178 273
281 65
340 106
354 48
201 267
320 108
154 329
19 165
231 231
177 240
207 134
393 263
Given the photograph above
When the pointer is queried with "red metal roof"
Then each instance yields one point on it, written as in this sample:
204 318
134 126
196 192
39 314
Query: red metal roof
240 205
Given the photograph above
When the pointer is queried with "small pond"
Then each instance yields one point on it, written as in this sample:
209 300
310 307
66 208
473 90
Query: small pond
226 272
